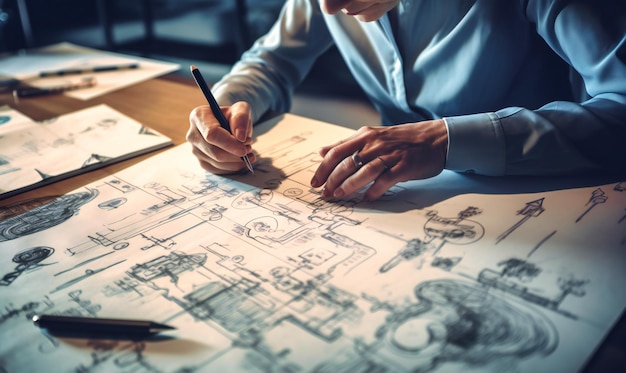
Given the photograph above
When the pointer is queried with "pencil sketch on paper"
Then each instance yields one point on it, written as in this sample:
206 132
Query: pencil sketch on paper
35 153
45 216
457 321
531 210
27 260
262 273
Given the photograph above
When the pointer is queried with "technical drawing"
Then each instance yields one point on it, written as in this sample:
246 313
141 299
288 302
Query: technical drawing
531 210
459 230
261 273
516 275
597 197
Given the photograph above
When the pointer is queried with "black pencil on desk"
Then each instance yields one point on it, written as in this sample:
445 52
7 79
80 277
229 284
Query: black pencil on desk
215 108
92 326
86 70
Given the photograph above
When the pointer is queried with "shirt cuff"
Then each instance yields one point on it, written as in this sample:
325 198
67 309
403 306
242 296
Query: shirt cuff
475 144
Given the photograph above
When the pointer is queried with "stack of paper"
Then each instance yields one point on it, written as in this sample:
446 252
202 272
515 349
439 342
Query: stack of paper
33 153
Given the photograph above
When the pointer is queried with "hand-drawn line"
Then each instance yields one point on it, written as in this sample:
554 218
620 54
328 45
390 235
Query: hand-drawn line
414 248
78 265
113 203
27 260
458 231
46 216
445 264
454 322
168 242
522 269
84 304
10 311
525 271
597 197
121 185
531 210
88 273
170 265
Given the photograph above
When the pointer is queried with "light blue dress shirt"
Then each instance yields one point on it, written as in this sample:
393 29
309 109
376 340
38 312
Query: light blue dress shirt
525 87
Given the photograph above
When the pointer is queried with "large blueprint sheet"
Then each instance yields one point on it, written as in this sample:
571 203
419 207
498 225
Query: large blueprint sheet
260 274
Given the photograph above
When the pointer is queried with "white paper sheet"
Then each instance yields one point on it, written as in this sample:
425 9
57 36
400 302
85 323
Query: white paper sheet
33 153
258 273
27 66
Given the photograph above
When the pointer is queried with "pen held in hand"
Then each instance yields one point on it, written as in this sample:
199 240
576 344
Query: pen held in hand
215 108
89 326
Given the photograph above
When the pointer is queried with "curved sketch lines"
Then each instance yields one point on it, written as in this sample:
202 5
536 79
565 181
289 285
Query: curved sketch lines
46 216
457 322
113 203
438 230
458 231
27 260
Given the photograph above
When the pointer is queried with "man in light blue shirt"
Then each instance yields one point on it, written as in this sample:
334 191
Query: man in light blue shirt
526 87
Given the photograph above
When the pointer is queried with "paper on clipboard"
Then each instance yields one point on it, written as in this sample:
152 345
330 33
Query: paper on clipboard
28 65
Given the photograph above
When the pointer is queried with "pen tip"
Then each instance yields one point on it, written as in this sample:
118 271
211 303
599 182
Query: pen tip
192 67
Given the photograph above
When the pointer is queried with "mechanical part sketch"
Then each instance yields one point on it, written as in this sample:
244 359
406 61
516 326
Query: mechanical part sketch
260 273
35 153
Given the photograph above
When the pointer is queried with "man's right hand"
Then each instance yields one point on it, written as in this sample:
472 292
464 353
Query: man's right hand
217 150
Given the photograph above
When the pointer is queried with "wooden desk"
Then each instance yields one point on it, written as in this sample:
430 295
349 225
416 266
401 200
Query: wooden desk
162 104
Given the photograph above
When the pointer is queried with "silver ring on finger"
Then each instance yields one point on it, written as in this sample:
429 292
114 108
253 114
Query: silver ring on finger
356 159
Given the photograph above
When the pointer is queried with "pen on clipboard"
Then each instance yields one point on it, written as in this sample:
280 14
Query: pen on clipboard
90 326
88 70
54 89
215 108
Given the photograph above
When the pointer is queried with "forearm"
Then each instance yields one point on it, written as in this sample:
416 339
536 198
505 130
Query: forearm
271 69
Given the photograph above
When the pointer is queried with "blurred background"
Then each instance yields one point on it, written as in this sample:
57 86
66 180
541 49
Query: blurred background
211 34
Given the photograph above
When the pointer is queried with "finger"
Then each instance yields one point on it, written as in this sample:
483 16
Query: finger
213 154
211 132
240 120
381 185
341 172
213 166
370 171
339 153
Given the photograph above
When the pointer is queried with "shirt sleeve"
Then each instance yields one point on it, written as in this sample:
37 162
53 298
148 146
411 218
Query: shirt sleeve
267 74
475 144
561 137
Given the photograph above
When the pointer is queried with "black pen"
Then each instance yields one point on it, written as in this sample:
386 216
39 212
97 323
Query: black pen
87 70
215 108
97 326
